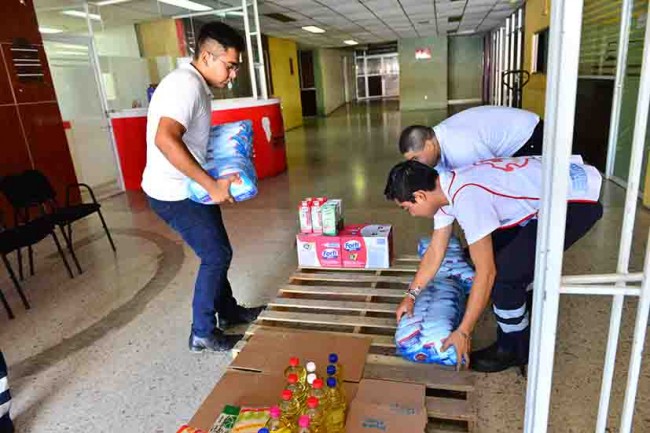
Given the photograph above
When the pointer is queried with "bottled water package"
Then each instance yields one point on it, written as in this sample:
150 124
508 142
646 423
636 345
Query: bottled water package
437 311
230 151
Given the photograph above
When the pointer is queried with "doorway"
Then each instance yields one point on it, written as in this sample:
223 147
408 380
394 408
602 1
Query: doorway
76 82
307 84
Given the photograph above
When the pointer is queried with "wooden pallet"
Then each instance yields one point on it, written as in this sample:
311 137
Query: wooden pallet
362 302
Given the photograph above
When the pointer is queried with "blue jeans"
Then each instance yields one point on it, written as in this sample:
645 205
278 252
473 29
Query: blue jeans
201 227
6 426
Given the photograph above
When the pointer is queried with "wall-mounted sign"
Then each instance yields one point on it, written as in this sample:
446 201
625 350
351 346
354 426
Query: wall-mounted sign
423 54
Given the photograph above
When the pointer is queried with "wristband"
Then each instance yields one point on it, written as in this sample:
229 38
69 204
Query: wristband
415 290
410 295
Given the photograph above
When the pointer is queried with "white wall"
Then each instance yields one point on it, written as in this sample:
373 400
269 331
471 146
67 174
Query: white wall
117 41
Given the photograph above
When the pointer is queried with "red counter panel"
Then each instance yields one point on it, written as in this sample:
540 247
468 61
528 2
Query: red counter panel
268 140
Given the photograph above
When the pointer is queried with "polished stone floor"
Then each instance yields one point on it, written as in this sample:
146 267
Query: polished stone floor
107 351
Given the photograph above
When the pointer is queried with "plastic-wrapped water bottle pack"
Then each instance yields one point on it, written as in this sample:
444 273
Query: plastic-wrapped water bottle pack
230 151
438 309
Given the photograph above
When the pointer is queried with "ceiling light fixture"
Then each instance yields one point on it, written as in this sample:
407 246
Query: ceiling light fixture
71 53
49 30
110 2
80 14
351 42
187 4
313 29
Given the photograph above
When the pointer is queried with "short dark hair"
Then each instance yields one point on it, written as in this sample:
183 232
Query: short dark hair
412 138
222 33
408 177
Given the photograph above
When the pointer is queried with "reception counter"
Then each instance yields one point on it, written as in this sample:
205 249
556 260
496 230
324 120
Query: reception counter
130 129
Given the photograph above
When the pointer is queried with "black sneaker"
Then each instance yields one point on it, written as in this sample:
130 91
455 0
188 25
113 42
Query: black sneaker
493 359
242 315
215 343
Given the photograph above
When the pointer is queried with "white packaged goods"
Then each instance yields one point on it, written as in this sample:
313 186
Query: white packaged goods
438 310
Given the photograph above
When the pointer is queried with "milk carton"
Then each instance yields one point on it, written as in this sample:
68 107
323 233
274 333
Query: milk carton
304 212
317 250
317 216
366 246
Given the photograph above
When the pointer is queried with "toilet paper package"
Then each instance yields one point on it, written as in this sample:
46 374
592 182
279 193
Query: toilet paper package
229 152
438 310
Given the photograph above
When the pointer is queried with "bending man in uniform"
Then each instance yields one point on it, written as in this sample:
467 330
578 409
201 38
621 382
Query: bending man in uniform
474 135
496 204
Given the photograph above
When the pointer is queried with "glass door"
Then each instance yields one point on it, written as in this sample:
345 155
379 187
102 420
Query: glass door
72 65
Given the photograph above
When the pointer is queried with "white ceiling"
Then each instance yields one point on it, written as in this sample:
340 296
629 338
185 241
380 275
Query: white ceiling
366 21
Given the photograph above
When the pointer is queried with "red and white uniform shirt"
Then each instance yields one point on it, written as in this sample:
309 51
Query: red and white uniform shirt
504 192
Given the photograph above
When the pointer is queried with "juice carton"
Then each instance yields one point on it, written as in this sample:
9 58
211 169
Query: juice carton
304 212
366 246
317 250
330 216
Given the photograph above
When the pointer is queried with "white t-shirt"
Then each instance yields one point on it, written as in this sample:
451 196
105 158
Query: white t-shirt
482 133
183 95
504 192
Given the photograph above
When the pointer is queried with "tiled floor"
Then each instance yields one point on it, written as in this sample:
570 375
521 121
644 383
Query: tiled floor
107 351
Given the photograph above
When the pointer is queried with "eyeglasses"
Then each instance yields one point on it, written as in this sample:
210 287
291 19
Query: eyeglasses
229 66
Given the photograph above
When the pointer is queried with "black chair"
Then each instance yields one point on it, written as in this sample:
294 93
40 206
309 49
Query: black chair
32 189
25 236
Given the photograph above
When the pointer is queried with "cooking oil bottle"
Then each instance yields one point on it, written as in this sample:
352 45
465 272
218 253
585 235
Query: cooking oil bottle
298 389
275 423
297 369
315 414
320 393
289 409
335 419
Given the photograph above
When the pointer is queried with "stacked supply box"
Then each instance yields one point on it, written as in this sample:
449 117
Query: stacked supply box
356 246
318 251
324 242
366 246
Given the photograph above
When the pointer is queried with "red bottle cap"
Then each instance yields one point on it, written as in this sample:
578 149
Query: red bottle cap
318 384
312 402
287 395
292 378
294 361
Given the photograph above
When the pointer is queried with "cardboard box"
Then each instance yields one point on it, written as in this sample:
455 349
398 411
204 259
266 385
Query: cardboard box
268 352
318 250
238 388
256 376
387 407
366 246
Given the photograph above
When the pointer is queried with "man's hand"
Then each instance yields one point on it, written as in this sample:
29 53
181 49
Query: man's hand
220 190
405 307
463 345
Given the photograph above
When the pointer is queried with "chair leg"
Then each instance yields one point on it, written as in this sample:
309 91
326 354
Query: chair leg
30 252
68 242
108 233
14 280
19 256
6 305
65 261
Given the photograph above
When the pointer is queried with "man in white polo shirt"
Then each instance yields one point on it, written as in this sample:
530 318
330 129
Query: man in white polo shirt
496 203
473 135
178 129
